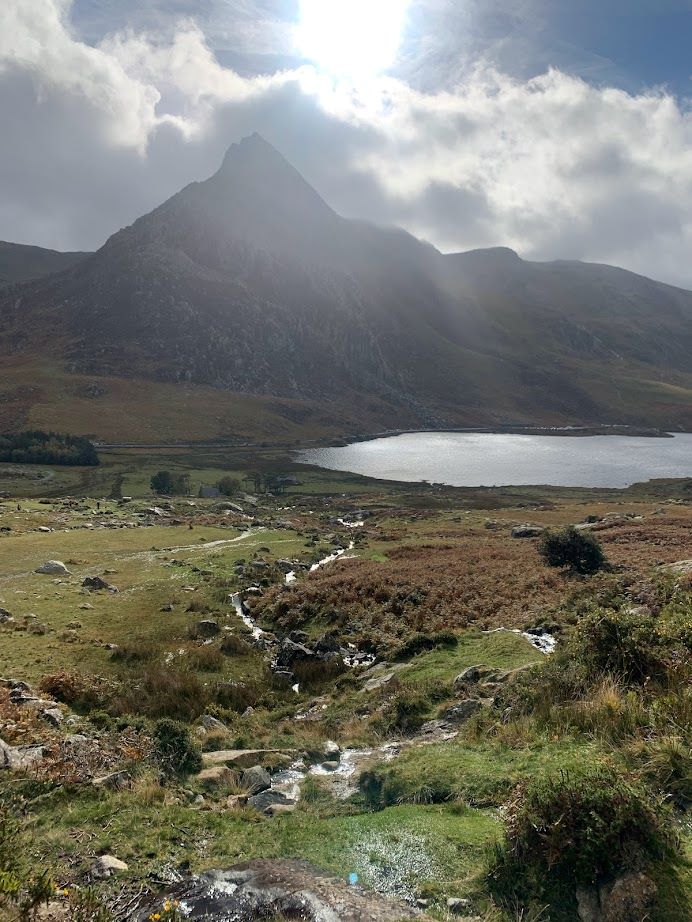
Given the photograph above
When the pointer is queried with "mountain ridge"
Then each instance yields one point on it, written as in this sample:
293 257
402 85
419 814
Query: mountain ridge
250 283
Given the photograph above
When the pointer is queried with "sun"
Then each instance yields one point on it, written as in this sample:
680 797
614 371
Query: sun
351 38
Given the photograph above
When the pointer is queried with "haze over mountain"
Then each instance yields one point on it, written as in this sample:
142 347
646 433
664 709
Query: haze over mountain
250 283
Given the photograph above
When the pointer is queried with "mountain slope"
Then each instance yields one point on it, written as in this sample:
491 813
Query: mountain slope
250 283
20 263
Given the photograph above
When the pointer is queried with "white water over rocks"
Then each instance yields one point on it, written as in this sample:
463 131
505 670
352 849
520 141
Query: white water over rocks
542 641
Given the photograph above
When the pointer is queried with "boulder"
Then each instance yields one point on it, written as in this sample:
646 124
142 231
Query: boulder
239 758
212 724
53 568
214 776
628 898
115 781
52 716
527 531
291 652
269 799
256 779
96 584
460 713
20 758
107 866
207 628
472 675
458 906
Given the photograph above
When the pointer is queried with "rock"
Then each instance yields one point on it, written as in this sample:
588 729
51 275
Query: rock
267 888
107 866
168 607
588 904
627 899
292 652
53 568
73 625
5 616
115 781
256 779
38 628
207 628
236 801
527 531
86 606
212 725
214 776
266 799
332 751
239 758
331 766
471 675
96 584
458 906
280 809
227 507
378 681
459 713
20 758
44 529
52 716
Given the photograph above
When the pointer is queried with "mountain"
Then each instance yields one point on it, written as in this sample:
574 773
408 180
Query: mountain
20 263
250 284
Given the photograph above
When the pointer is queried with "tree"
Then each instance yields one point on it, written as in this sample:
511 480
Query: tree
162 483
229 485
166 484
578 550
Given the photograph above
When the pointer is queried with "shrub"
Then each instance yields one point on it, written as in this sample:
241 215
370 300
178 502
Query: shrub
162 691
77 691
576 830
233 645
206 659
176 752
420 643
578 550
622 644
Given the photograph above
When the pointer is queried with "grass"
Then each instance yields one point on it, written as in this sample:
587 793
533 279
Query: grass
502 650
478 773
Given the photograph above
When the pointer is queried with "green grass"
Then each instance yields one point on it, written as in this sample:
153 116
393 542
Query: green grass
501 650
475 772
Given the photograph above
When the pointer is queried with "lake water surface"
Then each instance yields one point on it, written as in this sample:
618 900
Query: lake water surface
473 459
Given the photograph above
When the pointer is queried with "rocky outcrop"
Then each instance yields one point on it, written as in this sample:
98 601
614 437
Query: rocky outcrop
269 888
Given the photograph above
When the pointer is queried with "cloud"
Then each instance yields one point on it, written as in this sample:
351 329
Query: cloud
96 134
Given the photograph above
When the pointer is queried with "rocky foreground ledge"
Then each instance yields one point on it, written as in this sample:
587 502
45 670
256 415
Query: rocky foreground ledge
295 889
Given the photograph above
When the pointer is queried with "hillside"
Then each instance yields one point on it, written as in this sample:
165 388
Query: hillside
21 263
249 284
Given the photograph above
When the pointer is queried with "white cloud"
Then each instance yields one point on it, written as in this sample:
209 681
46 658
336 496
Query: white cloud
553 166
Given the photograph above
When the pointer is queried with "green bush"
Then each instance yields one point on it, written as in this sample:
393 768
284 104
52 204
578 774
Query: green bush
580 551
620 643
176 751
576 829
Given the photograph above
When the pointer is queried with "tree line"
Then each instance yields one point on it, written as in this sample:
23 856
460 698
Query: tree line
37 447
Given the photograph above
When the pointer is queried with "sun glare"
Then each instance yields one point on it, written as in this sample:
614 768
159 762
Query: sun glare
351 37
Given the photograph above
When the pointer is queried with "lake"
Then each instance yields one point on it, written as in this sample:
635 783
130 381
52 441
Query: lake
474 459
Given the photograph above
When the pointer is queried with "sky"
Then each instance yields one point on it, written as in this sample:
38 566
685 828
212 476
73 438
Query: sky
562 130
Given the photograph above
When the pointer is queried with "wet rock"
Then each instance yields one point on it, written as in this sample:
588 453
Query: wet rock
332 751
107 866
256 779
266 799
53 568
270 888
331 765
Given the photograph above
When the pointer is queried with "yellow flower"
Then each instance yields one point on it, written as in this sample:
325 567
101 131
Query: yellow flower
155 916
167 906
